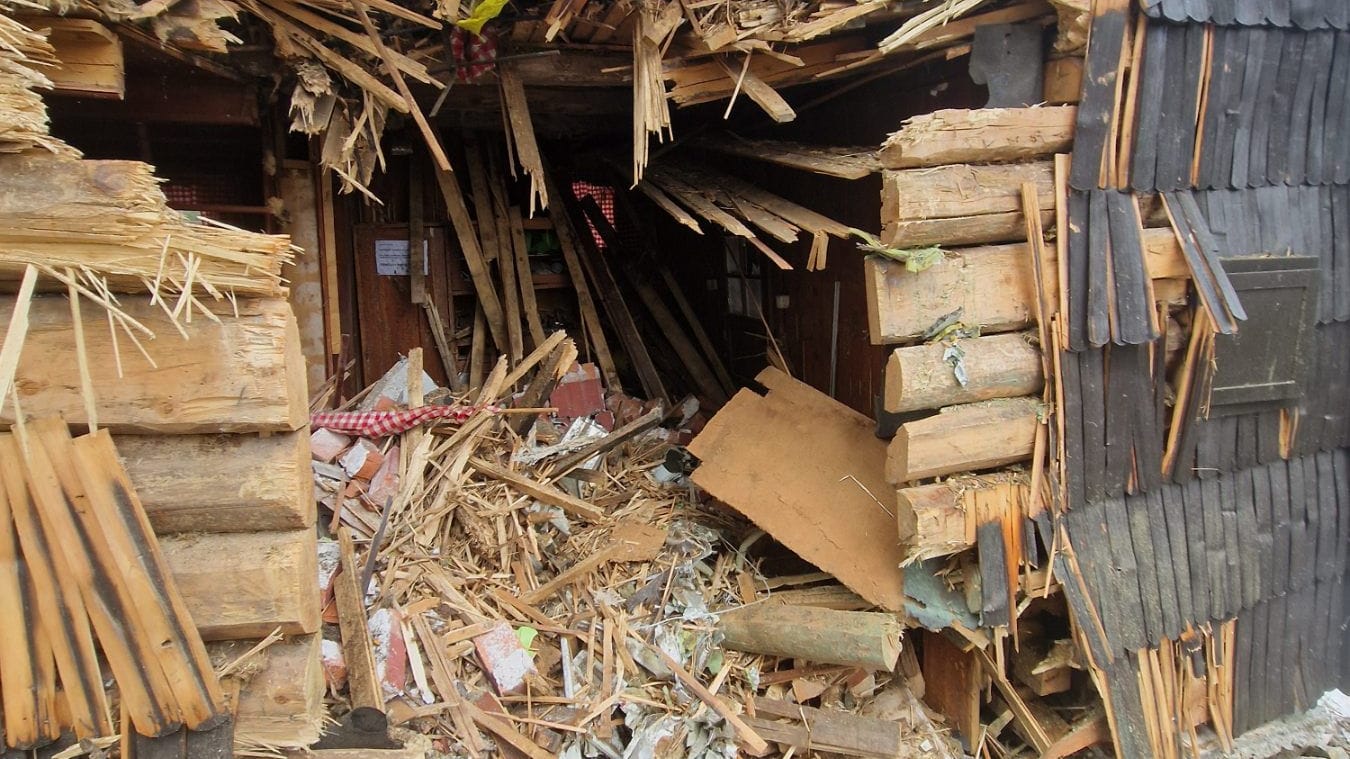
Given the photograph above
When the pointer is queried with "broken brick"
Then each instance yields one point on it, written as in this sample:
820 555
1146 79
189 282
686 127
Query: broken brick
506 662
326 445
363 460
579 393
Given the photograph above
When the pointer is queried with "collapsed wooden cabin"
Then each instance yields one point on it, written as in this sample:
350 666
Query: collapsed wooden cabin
588 378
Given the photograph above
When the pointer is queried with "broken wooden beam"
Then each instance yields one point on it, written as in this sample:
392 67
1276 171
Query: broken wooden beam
964 438
962 371
981 135
961 204
270 576
221 483
870 640
241 374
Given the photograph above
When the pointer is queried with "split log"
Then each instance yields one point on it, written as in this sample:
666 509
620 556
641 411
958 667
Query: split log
992 287
244 374
869 640
221 483
247 584
961 204
279 690
964 438
995 366
982 135
940 519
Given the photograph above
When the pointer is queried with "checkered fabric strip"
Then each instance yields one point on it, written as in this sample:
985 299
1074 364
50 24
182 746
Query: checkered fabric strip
382 423
474 55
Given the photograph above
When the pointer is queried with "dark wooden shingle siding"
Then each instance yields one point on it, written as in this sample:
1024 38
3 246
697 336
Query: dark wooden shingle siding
1213 549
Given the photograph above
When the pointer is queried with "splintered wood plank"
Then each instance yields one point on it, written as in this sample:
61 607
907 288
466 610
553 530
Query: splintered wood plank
270 574
525 279
758 90
65 623
844 163
28 718
611 297
981 135
16 334
570 243
221 483
1101 91
521 134
244 374
392 69
819 499
68 519
542 492
120 519
964 438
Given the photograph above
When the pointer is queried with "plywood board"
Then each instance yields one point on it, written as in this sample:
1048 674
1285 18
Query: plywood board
808 471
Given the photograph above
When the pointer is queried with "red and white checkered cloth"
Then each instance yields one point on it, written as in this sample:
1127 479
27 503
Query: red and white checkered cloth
474 54
604 197
382 423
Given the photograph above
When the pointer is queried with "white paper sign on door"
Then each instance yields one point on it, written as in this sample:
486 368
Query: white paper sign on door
391 258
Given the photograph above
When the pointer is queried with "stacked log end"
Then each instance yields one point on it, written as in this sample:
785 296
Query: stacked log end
212 431
954 179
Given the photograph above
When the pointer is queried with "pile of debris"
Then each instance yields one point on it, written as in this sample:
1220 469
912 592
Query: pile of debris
534 571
